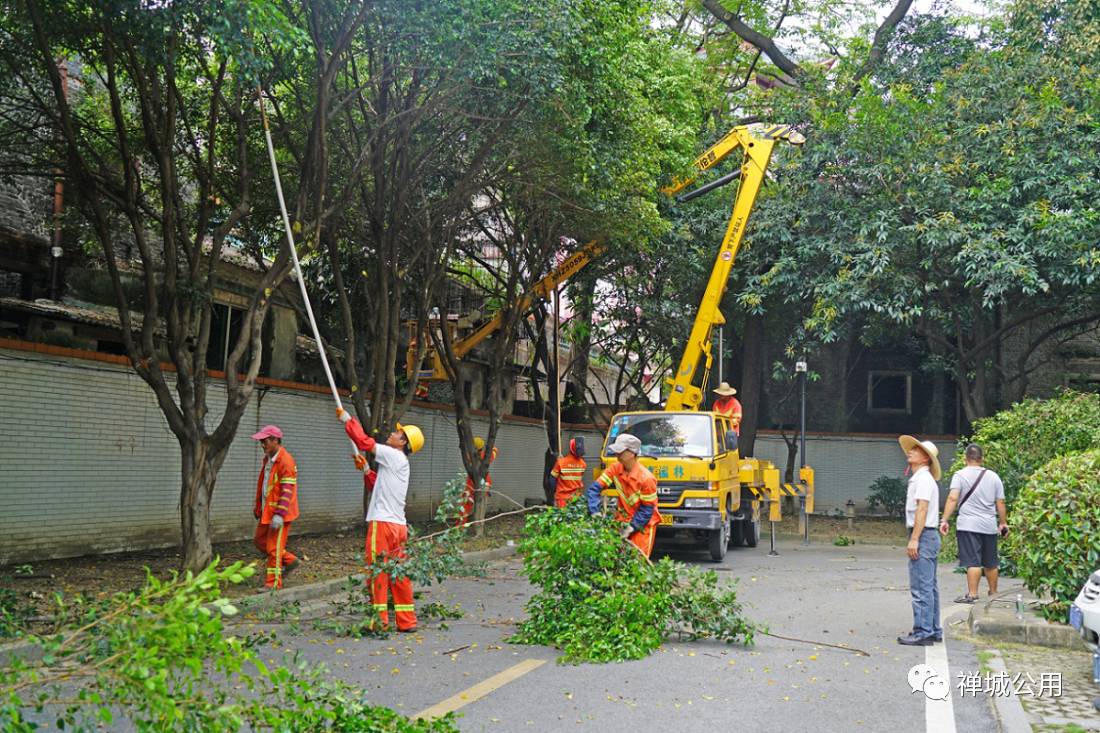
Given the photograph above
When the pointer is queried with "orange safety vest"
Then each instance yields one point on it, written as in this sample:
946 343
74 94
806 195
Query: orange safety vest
281 495
569 471
632 489
731 408
488 478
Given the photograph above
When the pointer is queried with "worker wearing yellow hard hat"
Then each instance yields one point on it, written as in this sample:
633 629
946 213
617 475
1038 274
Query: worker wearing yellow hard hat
387 531
468 492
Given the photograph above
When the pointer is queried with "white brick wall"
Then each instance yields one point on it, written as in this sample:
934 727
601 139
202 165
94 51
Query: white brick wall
87 463
846 466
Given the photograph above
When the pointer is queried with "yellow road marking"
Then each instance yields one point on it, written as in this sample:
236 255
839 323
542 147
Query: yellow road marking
481 689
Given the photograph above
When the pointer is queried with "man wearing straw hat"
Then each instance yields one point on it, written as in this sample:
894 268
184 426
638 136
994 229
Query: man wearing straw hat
727 405
922 508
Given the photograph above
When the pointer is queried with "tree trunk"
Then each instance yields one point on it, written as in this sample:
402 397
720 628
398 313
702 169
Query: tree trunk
751 382
195 495
575 388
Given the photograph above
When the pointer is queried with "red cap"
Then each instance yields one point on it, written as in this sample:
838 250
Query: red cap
268 431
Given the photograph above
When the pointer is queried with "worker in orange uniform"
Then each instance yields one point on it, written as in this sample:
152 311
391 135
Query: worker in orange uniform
276 505
468 492
569 472
635 491
727 405
370 478
387 531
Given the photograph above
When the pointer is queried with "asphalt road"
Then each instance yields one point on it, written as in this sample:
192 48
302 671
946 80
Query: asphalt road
854 596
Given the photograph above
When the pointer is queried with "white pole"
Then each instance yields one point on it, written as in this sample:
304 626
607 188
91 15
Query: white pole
294 258
294 254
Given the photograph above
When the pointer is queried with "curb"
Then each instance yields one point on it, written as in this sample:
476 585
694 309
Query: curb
266 599
320 589
1010 711
1004 626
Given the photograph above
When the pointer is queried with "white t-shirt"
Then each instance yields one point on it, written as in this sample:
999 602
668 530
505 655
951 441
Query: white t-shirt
922 486
979 513
267 471
387 503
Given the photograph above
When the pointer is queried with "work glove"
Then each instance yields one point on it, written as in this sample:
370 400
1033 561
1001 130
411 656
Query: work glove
360 461
342 414
626 531
277 522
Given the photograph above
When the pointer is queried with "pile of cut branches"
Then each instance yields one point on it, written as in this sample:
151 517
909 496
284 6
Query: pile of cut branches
601 600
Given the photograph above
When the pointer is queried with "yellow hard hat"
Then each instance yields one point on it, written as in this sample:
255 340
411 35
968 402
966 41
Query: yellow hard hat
413 435
479 443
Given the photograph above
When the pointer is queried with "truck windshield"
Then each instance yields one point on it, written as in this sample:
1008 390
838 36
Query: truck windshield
667 435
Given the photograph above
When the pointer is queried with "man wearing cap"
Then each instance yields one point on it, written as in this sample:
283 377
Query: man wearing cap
387 531
276 505
922 507
568 473
727 405
635 491
468 492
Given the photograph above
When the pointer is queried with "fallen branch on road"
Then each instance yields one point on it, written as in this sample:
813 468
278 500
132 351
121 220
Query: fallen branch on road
860 652
600 600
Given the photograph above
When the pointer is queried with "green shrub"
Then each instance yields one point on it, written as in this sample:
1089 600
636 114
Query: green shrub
14 612
600 600
1055 523
888 493
161 659
1020 440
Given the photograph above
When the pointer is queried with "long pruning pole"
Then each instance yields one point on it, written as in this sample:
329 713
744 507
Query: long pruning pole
294 252
294 258
557 366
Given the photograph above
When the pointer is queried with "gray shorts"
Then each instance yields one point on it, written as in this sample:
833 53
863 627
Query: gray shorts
977 550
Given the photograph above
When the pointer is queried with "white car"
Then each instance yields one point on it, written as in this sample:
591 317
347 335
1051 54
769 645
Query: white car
1084 615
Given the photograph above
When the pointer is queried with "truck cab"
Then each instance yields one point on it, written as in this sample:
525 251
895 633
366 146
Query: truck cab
694 457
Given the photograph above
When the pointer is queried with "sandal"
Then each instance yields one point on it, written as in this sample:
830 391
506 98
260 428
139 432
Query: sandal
966 599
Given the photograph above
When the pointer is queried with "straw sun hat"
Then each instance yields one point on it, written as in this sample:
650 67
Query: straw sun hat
908 441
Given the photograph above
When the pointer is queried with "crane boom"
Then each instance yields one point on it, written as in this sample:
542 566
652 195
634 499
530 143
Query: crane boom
757 150
570 266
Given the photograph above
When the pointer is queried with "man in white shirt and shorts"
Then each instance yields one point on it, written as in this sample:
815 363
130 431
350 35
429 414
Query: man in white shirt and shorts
980 497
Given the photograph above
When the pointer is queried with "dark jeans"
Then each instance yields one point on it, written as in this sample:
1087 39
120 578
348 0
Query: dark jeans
923 588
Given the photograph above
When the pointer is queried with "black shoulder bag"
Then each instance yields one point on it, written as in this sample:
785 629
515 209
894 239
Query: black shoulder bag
972 487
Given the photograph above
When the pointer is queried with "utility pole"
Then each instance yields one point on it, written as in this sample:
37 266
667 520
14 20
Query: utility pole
800 368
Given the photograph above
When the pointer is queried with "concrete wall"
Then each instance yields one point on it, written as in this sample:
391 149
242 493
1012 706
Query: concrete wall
88 465
845 466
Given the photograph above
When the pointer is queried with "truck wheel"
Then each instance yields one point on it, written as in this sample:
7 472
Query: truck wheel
752 532
737 532
719 540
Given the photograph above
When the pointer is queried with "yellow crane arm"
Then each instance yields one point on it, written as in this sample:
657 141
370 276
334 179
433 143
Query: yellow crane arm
572 264
685 393
432 368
